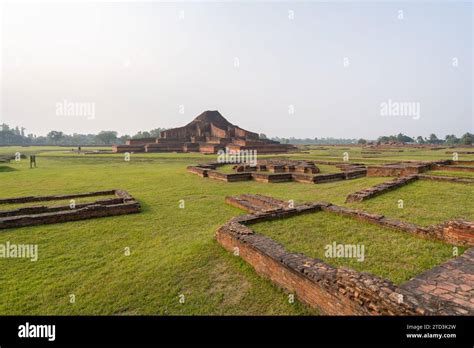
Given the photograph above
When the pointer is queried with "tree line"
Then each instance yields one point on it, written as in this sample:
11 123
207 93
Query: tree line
450 139
17 136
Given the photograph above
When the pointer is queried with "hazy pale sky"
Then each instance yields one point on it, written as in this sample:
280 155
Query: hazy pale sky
307 69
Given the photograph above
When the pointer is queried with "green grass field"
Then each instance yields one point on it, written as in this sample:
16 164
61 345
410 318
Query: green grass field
173 250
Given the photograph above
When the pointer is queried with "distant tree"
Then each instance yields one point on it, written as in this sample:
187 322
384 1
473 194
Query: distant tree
55 136
107 137
433 139
420 140
451 139
141 134
404 138
124 138
262 136
362 141
467 139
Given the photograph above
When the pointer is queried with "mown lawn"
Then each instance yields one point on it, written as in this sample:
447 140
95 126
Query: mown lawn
173 250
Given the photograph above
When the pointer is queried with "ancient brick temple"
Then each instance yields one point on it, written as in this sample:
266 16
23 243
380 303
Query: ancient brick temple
207 133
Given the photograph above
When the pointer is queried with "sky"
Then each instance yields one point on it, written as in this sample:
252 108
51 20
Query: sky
308 69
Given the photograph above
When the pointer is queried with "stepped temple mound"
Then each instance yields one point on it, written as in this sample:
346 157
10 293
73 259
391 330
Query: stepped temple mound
207 133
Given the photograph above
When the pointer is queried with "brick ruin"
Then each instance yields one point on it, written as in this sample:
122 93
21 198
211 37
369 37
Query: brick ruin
340 290
280 166
121 203
453 281
5 159
396 183
417 167
455 166
207 133
398 169
275 171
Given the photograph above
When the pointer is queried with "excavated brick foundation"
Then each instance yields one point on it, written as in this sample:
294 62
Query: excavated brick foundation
384 187
409 168
121 203
333 290
276 171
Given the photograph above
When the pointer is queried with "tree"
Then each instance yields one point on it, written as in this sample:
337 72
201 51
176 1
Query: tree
262 136
420 140
141 134
55 136
433 139
402 138
107 137
451 139
124 138
467 139
362 141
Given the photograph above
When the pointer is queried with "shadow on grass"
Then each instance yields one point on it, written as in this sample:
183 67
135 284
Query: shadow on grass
6 169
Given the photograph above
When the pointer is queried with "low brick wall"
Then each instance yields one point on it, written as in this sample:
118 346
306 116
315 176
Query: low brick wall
30 199
202 172
466 162
393 171
454 168
270 178
322 178
123 203
446 179
89 212
384 187
456 232
229 177
128 148
45 209
304 178
354 174
376 190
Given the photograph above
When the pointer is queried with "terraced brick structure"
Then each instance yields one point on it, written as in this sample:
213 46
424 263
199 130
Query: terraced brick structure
207 133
